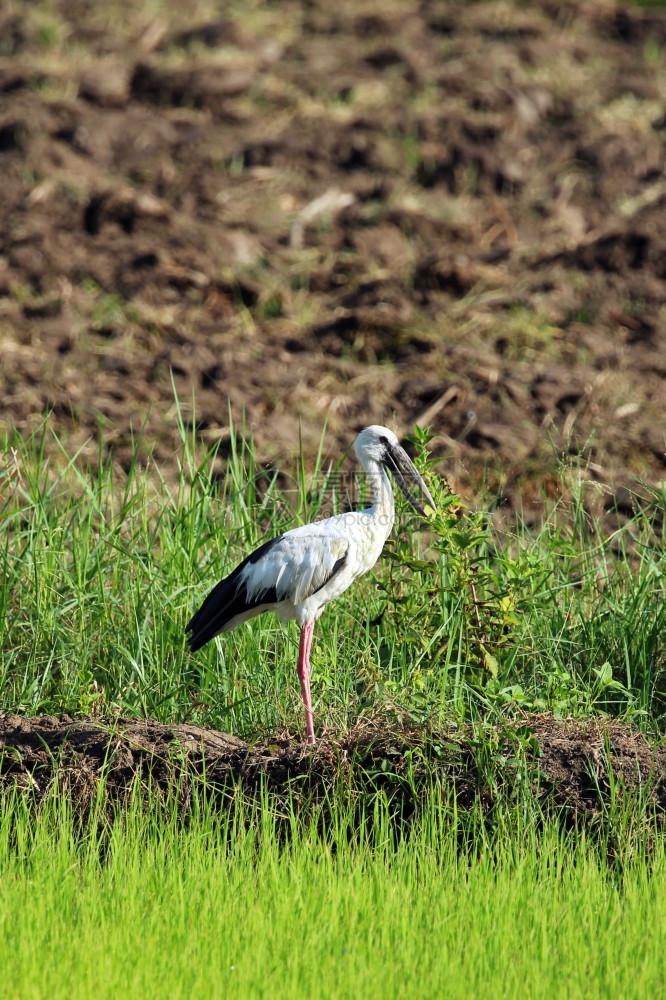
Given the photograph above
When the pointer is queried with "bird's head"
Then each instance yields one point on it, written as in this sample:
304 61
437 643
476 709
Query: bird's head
379 444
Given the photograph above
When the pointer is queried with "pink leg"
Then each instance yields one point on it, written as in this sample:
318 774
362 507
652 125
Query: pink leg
304 678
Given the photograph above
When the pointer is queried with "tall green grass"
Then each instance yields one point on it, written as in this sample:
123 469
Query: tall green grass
147 908
98 578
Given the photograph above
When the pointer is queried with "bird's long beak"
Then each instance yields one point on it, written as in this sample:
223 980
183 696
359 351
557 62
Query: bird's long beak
409 479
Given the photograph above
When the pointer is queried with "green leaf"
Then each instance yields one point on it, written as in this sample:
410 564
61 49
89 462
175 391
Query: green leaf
604 675
490 661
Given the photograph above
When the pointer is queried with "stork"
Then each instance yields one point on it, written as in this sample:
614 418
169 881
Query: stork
298 573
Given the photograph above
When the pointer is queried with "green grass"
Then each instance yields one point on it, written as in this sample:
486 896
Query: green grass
217 910
98 579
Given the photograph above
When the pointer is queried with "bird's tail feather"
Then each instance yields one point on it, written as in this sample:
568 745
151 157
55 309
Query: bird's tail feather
227 601
220 605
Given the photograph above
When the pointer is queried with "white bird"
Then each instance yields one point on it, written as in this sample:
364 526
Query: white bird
299 572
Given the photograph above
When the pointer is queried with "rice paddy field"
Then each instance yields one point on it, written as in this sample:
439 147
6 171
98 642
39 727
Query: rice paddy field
212 911
463 629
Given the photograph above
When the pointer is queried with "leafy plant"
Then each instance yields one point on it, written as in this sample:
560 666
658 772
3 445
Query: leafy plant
464 596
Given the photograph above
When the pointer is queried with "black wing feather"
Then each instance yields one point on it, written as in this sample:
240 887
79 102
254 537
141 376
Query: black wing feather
226 600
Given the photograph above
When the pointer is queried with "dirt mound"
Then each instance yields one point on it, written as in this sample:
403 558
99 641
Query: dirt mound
572 767
437 212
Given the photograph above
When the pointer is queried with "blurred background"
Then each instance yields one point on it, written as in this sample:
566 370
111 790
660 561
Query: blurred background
444 213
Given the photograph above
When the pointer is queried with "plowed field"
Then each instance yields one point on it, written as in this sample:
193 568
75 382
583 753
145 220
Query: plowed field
450 213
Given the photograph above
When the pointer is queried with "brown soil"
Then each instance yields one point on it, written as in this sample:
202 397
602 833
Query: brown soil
450 213
569 766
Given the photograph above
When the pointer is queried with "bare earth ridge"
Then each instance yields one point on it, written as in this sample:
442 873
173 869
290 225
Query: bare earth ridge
569 765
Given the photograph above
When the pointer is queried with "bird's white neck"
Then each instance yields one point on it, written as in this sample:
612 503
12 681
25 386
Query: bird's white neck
383 506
